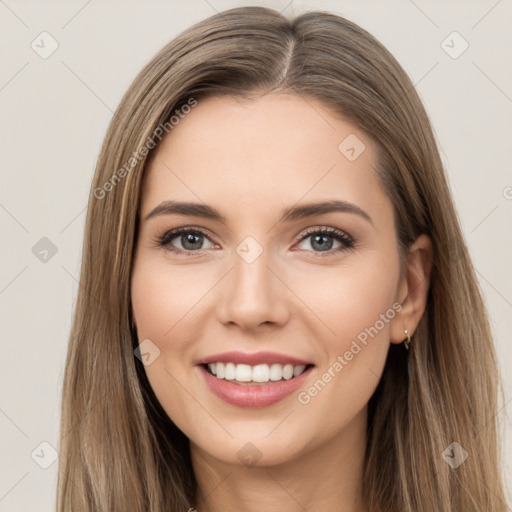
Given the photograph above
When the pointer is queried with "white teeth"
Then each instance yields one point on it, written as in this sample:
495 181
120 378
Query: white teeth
220 370
276 372
230 371
297 370
243 373
288 371
258 373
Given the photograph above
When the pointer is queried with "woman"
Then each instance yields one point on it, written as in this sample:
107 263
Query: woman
276 309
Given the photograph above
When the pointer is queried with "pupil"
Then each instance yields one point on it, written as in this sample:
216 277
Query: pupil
190 239
323 243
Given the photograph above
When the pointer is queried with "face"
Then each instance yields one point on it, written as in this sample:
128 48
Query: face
266 288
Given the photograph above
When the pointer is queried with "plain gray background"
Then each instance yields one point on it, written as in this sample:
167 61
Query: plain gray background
55 111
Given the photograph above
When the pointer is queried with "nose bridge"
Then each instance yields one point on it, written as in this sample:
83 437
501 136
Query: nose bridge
253 294
251 271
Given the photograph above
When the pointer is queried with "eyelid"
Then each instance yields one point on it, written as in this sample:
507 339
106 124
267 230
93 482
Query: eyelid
322 229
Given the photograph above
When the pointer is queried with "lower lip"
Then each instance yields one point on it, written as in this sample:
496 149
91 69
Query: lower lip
260 395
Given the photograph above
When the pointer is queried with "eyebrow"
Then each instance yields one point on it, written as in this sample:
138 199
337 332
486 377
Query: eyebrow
289 214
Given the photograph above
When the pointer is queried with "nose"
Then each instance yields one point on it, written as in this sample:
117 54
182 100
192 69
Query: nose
253 294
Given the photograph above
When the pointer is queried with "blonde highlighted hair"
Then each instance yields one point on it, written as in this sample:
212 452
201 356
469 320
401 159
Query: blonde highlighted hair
119 451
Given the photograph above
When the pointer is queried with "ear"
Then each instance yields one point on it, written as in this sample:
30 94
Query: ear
413 289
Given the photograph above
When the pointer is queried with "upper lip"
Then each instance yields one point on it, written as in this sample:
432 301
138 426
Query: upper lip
252 359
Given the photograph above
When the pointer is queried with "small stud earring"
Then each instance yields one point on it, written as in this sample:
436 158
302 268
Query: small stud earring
407 341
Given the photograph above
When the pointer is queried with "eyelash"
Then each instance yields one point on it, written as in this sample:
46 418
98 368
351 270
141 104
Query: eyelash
347 242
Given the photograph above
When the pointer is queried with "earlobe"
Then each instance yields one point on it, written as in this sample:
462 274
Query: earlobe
413 289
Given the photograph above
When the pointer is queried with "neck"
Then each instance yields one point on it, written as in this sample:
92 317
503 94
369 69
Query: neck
328 477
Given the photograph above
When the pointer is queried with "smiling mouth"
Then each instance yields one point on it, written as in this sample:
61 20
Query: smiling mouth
261 374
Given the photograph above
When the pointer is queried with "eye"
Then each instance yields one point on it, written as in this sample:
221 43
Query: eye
322 239
191 240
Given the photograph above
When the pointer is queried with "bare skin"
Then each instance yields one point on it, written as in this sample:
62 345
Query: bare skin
251 160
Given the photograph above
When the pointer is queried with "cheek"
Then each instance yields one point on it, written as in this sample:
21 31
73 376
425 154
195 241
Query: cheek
358 310
162 297
160 301
355 317
351 303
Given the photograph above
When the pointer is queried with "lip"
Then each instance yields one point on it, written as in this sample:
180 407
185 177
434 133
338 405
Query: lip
257 395
252 359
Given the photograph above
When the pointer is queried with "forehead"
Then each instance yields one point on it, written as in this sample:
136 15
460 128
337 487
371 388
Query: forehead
277 149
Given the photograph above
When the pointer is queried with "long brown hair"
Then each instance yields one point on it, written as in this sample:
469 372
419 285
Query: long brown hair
119 451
